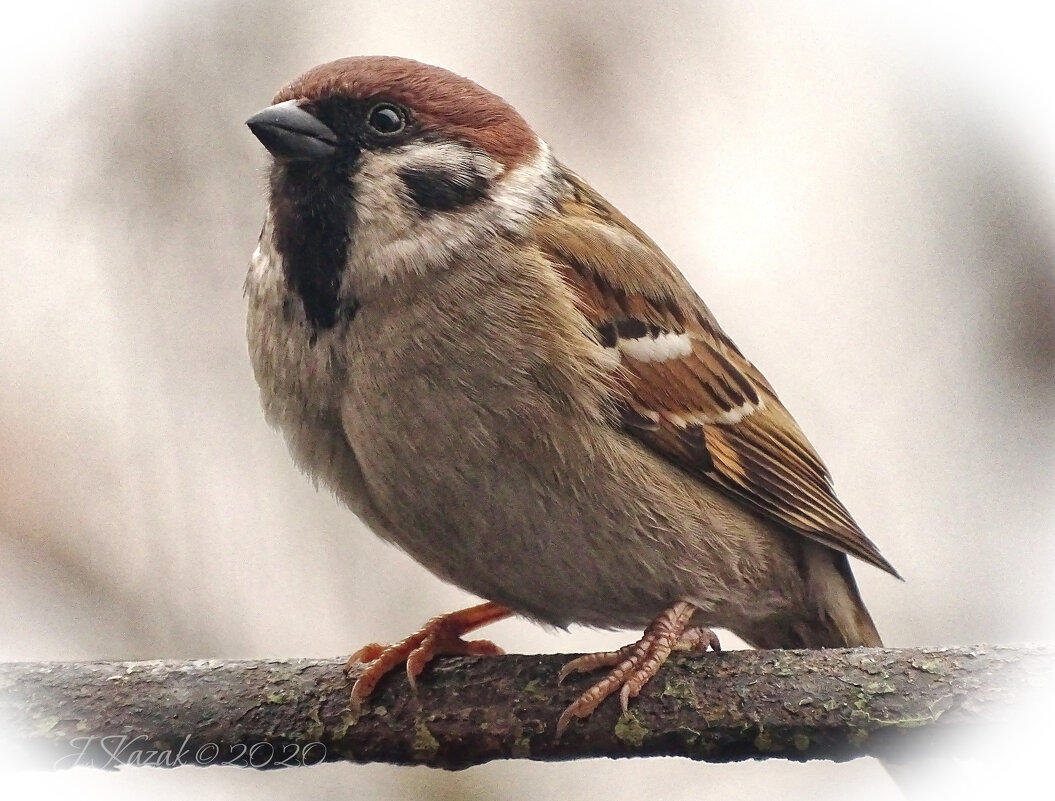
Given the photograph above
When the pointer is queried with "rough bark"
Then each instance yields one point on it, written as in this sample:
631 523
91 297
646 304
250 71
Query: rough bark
824 704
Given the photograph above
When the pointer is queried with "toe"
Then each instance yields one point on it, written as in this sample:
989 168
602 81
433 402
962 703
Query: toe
368 653
698 640
635 665
590 662
441 635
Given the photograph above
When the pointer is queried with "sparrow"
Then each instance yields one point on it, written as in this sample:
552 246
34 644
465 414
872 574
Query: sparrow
499 373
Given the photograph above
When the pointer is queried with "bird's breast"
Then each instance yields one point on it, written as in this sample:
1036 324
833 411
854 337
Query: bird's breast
298 366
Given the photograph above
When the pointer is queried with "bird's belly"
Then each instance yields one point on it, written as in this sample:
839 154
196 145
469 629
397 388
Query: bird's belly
485 453
482 515
556 517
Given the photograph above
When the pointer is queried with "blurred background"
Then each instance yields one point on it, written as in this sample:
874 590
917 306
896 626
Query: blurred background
862 192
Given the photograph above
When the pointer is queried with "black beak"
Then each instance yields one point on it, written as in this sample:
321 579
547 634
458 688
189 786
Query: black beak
292 134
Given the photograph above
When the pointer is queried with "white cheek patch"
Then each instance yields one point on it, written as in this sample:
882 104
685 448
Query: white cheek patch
385 214
660 348
380 166
392 236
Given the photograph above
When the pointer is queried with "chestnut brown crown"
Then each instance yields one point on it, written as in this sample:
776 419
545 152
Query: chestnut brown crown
440 101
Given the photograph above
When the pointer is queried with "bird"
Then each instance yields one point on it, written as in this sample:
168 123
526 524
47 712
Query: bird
502 375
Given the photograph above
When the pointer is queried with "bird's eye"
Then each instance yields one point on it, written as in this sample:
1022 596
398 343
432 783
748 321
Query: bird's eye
386 119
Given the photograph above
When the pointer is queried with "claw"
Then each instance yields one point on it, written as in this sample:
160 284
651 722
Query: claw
441 635
634 665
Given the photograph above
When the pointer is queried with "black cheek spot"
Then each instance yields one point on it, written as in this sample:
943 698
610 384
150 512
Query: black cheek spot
438 189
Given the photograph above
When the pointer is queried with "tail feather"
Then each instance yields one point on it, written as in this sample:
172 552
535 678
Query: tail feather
853 622
839 619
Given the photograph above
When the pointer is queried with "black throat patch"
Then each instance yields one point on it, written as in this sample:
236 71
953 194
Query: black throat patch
313 217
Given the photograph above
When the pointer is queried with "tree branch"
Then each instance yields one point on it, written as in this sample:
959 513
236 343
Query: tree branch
824 704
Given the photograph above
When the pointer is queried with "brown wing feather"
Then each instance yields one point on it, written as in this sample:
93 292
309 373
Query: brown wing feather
702 405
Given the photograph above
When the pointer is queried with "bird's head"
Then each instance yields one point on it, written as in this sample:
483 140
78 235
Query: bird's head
383 166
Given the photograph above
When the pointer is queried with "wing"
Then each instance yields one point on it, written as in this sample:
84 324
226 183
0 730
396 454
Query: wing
687 392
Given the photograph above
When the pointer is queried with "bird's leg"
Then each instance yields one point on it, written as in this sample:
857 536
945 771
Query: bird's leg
633 665
439 636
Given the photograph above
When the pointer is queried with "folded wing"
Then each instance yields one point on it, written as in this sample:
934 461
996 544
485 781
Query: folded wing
685 389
